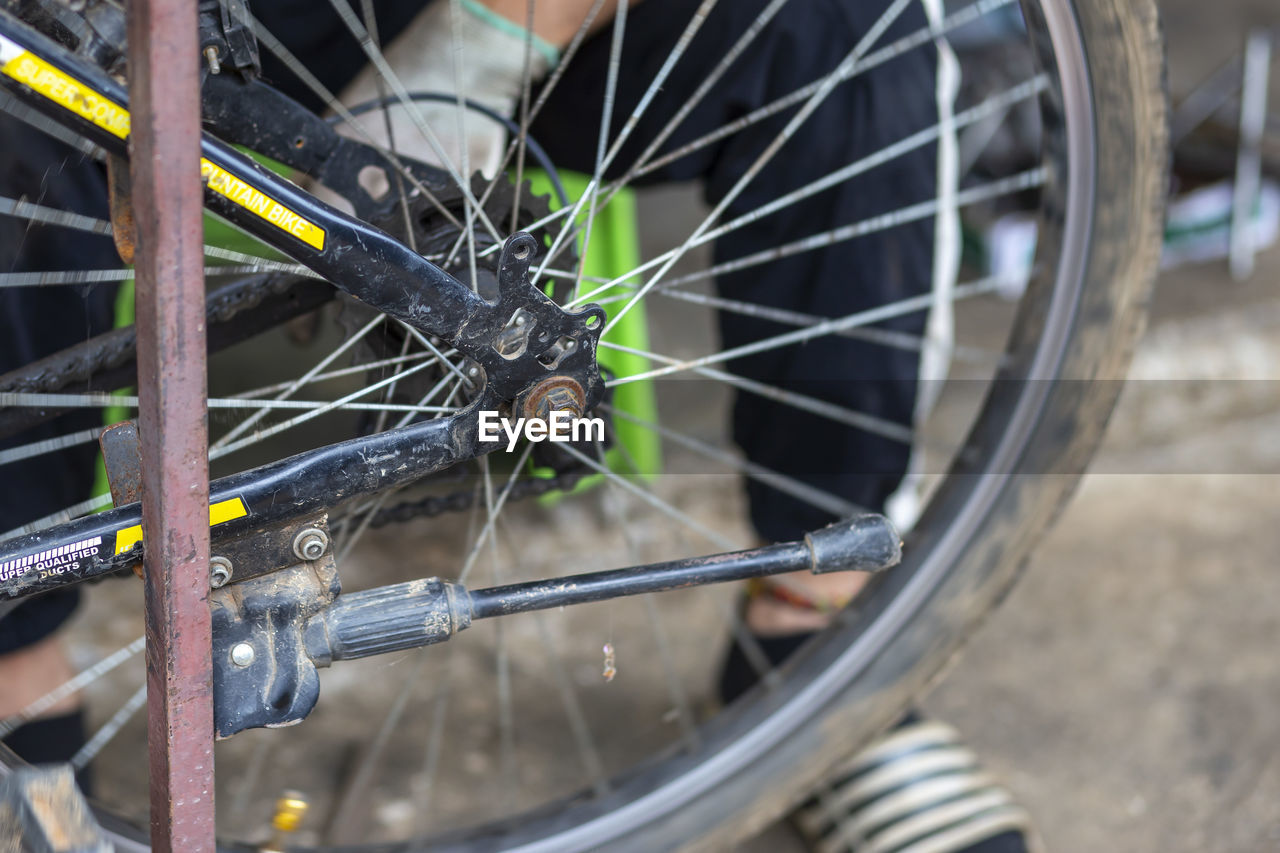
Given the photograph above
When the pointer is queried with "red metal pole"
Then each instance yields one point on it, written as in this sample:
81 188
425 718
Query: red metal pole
164 155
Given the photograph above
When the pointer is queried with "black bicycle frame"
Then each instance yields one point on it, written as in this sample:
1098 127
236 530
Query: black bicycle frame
361 260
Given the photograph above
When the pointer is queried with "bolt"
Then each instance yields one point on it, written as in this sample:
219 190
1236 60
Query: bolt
557 394
219 571
310 544
211 55
242 654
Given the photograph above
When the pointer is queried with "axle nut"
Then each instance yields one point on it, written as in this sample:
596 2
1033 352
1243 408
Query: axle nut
557 394
310 544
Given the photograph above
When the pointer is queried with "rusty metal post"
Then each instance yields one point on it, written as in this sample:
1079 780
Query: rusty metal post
165 169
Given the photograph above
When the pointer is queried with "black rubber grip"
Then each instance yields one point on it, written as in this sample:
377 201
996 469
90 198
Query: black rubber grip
390 619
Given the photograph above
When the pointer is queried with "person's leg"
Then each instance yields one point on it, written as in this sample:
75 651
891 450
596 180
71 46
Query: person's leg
40 321
857 119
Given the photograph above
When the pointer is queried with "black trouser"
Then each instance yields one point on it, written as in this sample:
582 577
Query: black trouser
41 321
804 42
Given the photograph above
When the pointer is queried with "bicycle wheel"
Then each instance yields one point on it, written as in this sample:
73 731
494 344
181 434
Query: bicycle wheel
1033 408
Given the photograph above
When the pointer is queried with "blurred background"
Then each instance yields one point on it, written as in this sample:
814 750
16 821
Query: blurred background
1127 690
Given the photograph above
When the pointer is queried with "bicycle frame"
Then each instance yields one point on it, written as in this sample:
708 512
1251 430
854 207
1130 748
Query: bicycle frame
363 261
282 592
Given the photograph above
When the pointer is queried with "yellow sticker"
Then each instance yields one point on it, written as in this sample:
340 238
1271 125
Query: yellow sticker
64 90
253 200
68 92
218 513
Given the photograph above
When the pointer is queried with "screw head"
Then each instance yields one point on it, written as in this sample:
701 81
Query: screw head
219 571
242 654
310 544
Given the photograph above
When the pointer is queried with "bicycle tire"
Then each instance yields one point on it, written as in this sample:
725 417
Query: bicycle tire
762 755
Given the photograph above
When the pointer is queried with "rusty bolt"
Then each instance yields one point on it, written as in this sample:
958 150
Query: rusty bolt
557 394
219 571
310 544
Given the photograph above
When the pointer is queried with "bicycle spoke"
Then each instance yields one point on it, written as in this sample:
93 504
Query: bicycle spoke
473 553
916 39
722 542
348 16
506 715
435 742
883 337
896 7
831 411
556 74
335 374
465 378
109 729
366 517
755 655
1016 183
22 399
815 497
347 822
371 19
332 103
271 264
588 752
726 61
606 118
347 344
826 327
584 740
655 85
314 413
522 136
675 690
65 277
922 36
73 685
502 656
915 141
49 127
464 148
21 209
247 783
92 504
48 445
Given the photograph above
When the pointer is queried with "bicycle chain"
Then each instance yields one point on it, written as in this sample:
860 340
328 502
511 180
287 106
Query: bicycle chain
113 349
434 505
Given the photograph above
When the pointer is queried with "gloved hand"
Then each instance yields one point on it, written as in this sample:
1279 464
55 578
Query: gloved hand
492 64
